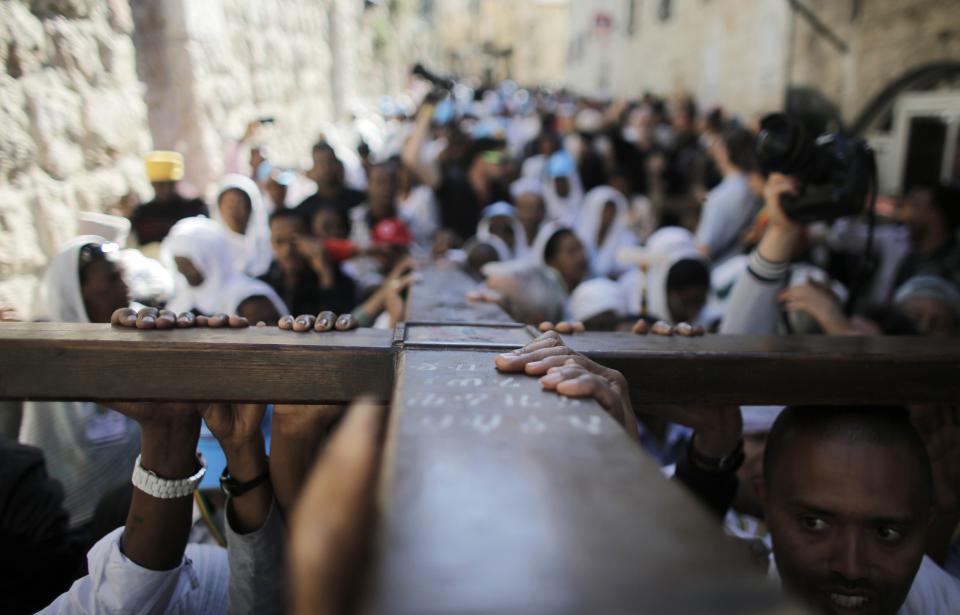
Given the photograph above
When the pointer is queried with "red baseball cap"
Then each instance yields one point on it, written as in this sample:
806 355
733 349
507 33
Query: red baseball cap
393 231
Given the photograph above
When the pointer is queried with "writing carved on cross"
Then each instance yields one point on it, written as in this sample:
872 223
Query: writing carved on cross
497 496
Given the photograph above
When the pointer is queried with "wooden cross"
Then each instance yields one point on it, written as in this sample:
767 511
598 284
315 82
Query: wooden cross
498 497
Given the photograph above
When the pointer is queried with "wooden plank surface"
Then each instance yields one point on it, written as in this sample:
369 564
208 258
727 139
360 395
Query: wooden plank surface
462 336
501 498
96 362
441 297
780 369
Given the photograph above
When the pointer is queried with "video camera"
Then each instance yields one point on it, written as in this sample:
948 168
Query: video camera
443 83
837 173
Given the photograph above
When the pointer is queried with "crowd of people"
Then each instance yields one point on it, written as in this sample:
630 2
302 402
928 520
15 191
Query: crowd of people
646 217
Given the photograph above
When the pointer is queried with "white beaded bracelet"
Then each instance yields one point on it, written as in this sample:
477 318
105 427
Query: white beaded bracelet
165 489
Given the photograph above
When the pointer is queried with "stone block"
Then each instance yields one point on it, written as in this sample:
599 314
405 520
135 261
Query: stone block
54 210
19 245
20 292
24 38
17 147
72 9
55 115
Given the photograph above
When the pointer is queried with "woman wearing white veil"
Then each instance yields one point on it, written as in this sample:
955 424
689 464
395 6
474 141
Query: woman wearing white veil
562 189
671 281
240 212
603 229
88 448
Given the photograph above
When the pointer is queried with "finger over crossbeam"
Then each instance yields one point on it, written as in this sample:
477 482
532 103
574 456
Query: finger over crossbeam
48 361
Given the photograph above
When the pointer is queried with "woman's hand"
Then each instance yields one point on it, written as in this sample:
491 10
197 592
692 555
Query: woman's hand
153 318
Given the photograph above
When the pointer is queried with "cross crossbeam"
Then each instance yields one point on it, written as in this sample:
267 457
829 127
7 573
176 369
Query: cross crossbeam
495 495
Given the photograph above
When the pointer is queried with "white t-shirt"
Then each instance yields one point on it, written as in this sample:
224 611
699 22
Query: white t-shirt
726 213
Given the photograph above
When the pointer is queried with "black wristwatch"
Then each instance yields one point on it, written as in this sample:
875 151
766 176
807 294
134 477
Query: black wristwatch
727 463
235 488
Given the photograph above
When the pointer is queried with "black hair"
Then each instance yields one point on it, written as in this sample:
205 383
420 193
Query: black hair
339 213
688 273
288 214
553 244
243 194
888 425
741 149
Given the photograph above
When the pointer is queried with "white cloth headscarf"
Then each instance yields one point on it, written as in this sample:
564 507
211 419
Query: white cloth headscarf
603 256
246 287
537 252
202 241
60 298
519 248
666 247
252 253
564 209
596 296
88 448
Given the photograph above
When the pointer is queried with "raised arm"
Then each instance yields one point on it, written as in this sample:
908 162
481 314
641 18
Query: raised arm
754 306
426 172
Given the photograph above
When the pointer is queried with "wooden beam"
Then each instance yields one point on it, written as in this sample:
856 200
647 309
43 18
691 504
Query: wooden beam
502 498
441 297
816 369
96 362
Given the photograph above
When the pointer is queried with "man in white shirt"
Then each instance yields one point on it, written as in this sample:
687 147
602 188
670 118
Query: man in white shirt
731 205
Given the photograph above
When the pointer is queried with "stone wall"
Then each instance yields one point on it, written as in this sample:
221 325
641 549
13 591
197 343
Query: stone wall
746 54
90 85
74 128
883 40
210 67
735 58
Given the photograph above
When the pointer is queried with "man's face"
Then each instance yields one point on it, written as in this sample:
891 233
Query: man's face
381 191
234 210
562 187
571 261
502 227
848 521
324 169
283 234
328 225
930 316
530 211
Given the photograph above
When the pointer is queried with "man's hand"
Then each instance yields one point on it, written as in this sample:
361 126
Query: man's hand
549 351
8 313
321 323
574 380
331 522
662 327
566 327
939 426
782 235
818 301
718 429
152 318
237 428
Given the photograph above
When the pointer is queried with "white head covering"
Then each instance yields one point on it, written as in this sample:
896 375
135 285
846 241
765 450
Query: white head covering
595 297
245 287
565 209
546 231
252 253
526 185
603 257
88 448
60 297
666 247
519 248
203 242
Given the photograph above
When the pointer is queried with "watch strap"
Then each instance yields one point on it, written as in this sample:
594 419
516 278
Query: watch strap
166 489
235 488
727 463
